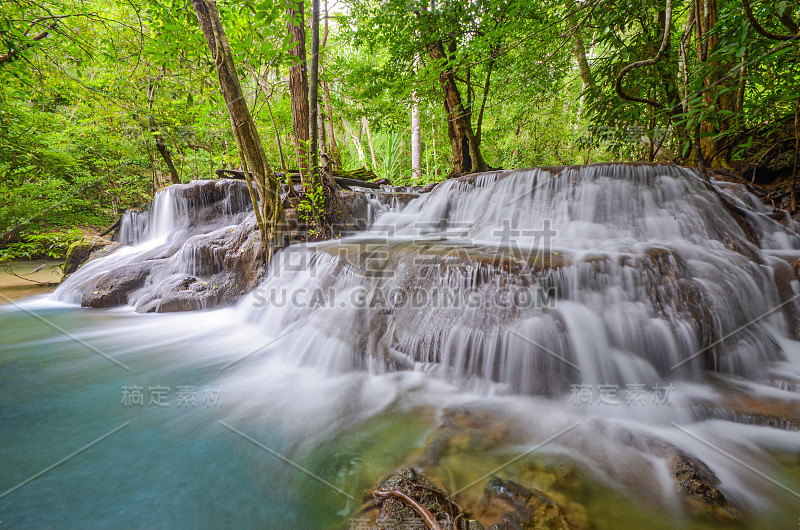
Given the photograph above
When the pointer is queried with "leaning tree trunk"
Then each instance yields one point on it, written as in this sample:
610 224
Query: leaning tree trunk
251 151
159 138
165 154
467 156
298 88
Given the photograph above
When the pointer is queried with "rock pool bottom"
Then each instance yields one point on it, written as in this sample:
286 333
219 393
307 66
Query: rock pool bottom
126 420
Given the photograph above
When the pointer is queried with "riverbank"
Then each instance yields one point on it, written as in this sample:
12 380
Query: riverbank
13 288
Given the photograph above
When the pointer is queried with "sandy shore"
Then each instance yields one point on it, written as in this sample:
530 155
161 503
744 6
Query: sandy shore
13 288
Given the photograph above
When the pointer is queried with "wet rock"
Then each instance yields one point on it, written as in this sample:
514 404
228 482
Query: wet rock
764 411
786 277
113 288
356 217
81 251
527 508
693 478
217 268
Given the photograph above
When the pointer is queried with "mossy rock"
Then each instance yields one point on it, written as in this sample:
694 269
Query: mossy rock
80 251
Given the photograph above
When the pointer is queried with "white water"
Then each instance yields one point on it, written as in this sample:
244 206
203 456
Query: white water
661 286
166 234
654 270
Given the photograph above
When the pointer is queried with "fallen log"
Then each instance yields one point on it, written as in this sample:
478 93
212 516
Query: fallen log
343 182
113 226
230 174
361 173
355 182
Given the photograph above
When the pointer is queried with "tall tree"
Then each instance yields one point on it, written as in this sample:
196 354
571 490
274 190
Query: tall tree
251 152
298 87
464 144
416 139
467 155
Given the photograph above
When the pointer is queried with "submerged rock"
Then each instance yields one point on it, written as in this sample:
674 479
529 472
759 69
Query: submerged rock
533 495
524 508
410 500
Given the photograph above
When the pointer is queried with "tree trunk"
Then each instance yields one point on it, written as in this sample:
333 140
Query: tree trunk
796 153
251 152
467 156
313 84
583 64
585 73
298 87
416 138
333 148
485 96
365 123
157 136
740 92
433 144
356 142
668 81
717 90
165 154
323 137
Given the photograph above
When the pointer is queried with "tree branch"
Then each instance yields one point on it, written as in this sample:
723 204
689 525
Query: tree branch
14 52
647 62
787 21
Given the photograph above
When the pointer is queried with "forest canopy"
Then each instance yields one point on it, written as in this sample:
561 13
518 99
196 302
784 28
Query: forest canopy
103 103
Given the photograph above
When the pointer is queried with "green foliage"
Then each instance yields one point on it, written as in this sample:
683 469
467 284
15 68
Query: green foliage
311 211
45 245
91 85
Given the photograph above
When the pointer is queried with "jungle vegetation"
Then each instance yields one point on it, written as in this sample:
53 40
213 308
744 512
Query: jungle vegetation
103 103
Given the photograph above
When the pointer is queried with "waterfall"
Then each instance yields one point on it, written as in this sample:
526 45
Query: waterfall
530 281
181 233
536 280
467 328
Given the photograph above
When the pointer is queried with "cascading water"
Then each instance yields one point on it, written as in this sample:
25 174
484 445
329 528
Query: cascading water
541 279
157 222
561 281
521 298
182 235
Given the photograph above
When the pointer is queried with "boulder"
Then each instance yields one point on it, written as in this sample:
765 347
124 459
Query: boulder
112 288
